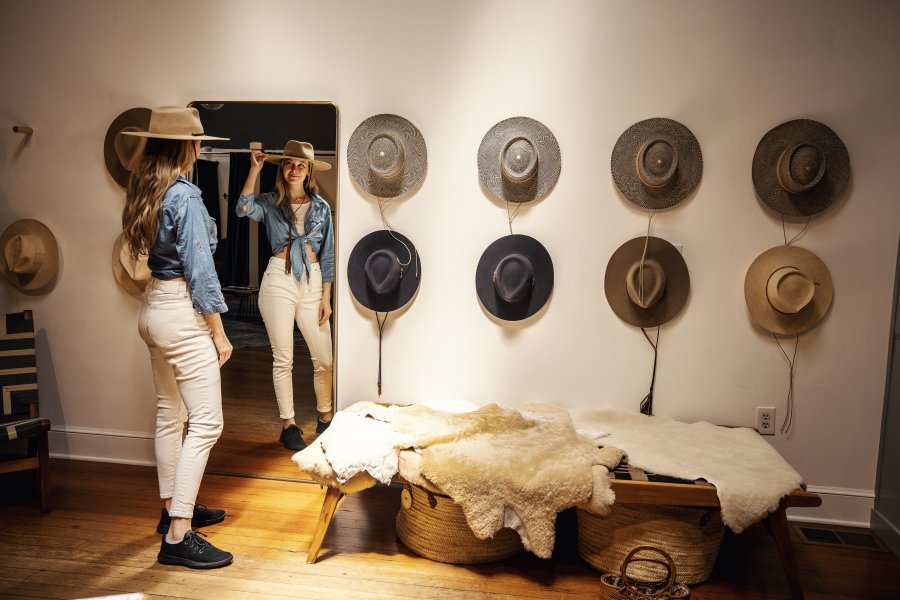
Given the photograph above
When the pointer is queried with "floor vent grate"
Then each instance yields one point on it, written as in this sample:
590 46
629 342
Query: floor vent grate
861 540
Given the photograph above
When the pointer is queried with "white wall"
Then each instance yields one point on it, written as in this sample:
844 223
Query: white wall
729 70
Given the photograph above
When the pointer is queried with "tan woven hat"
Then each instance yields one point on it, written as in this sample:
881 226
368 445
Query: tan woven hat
304 150
788 290
387 155
121 152
30 260
657 163
800 168
519 160
131 274
174 123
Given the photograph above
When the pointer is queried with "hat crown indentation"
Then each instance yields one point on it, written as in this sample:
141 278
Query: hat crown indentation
790 290
654 283
383 271
513 277
24 254
656 163
386 155
800 167
519 159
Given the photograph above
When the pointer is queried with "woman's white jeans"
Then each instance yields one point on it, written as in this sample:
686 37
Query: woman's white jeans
283 301
186 373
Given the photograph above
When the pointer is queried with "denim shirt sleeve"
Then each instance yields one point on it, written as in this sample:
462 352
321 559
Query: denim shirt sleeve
326 251
253 206
193 245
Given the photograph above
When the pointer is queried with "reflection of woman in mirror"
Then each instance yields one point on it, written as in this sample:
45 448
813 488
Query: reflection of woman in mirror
164 216
296 286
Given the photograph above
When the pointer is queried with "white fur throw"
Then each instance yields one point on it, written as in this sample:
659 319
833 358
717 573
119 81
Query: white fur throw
750 475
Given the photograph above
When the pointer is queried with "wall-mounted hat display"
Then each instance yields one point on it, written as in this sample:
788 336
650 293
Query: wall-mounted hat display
30 260
384 271
647 282
132 274
800 168
657 163
299 150
519 160
120 152
514 277
387 156
788 290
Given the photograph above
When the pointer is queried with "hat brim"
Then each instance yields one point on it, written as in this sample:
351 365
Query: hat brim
549 162
541 263
416 155
821 196
678 282
409 282
135 118
133 287
755 283
163 136
44 279
317 164
684 180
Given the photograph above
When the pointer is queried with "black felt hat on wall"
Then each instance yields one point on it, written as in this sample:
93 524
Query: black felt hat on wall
514 277
384 271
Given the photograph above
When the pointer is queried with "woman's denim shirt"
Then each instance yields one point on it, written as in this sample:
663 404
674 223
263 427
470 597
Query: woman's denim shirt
185 245
317 226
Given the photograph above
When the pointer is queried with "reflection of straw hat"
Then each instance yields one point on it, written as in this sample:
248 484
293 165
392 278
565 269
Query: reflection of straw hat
657 163
788 290
514 277
386 155
304 150
800 168
519 160
132 275
174 123
384 271
665 288
121 152
30 258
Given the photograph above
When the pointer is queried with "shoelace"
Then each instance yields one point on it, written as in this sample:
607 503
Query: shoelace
196 541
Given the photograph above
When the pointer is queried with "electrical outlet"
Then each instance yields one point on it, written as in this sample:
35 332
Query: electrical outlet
765 420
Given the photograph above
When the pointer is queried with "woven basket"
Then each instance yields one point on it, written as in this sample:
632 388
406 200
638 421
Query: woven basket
691 536
434 526
625 586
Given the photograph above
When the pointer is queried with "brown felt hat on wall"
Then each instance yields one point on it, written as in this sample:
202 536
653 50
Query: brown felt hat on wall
800 168
121 152
387 155
648 292
519 160
30 260
656 163
788 290
131 274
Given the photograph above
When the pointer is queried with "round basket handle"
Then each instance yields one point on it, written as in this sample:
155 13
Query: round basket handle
631 585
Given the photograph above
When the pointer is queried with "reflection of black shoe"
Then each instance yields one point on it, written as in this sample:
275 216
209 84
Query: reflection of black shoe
292 438
194 552
202 517
322 425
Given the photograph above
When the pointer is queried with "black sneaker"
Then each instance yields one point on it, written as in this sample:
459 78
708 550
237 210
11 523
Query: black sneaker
194 552
202 517
292 438
321 426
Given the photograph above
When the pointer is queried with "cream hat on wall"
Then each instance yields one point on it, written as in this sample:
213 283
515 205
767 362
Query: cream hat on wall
30 260
131 274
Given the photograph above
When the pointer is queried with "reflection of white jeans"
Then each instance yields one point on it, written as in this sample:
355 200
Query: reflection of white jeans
282 301
186 373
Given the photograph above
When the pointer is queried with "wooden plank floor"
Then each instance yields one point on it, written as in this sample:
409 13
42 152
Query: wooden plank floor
100 539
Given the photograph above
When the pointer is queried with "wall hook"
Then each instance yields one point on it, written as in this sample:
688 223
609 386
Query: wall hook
23 129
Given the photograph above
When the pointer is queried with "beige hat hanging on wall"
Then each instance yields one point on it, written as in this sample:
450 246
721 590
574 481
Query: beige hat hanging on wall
30 260
519 160
131 274
121 152
387 156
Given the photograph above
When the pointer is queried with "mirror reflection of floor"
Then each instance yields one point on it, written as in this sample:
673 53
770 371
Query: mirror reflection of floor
249 443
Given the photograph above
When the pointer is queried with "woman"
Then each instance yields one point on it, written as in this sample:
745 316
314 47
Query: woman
296 286
164 216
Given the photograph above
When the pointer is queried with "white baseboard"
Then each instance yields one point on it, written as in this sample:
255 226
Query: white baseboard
849 507
102 445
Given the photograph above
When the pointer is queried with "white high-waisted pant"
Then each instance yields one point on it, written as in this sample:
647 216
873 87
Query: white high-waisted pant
186 373
283 301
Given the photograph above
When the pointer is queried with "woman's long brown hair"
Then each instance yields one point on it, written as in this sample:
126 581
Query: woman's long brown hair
284 197
163 161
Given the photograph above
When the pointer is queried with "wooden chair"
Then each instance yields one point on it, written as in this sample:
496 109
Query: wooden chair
19 418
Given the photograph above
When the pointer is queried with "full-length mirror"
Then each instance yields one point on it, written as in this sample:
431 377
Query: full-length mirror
259 393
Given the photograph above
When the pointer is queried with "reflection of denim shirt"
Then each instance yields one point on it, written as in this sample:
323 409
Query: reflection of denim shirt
319 233
185 244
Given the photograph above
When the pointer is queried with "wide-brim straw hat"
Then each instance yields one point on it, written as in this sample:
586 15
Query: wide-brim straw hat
529 277
174 123
800 168
387 156
299 150
788 290
657 163
665 273
122 152
519 160
30 257
131 274
374 283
